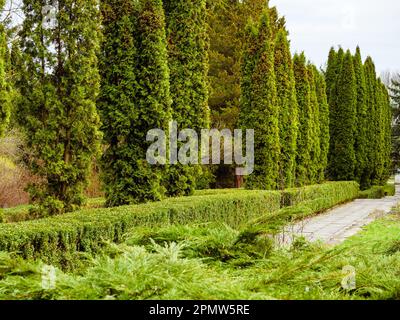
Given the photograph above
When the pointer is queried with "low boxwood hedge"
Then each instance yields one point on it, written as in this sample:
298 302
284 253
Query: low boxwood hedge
57 240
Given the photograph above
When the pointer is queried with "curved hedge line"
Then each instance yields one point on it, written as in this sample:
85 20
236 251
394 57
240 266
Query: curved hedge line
58 240
339 191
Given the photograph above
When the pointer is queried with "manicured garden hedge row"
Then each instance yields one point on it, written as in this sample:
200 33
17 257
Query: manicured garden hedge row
304 202
378 192
338 191
58 240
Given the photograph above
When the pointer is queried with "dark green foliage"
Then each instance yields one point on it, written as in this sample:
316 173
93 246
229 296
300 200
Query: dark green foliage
372 124
324 114
259 108
361 142
188 63
305 138
386 116
59 85
343 118
360 121
314 170
288 109
134 97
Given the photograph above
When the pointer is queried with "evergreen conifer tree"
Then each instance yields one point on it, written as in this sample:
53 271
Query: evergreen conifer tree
259 106
188 63
305 139
361 142
323 122
134 98
57 108
372 123
315 154
288 109
343 159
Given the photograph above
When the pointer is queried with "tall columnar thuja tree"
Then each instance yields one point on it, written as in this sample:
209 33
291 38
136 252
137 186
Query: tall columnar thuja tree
188 63
288 110
380 145
372 125
324 134
384 148
333 71
259 109
305 139
343 159
387 124
4 96
315 154
134 97
59 86
361 142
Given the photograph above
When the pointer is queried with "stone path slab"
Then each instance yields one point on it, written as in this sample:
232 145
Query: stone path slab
340 223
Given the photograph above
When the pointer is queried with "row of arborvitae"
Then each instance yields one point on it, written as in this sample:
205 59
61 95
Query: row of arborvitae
360 120
121 68
285 101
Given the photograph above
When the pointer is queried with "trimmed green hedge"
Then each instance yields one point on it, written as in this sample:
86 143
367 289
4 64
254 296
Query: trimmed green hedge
378 192
338 191
59 239
305 202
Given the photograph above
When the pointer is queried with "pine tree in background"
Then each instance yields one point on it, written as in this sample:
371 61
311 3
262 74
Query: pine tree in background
57 108
304 141
361 141
4 94
259 107
395 91
227 21
323 123
343 159
334 68
188 63
134 98
288 108
315 154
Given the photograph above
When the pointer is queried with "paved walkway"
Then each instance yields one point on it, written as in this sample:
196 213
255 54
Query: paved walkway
340 223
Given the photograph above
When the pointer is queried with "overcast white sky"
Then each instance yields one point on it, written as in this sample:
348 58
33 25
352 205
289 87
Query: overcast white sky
316 25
